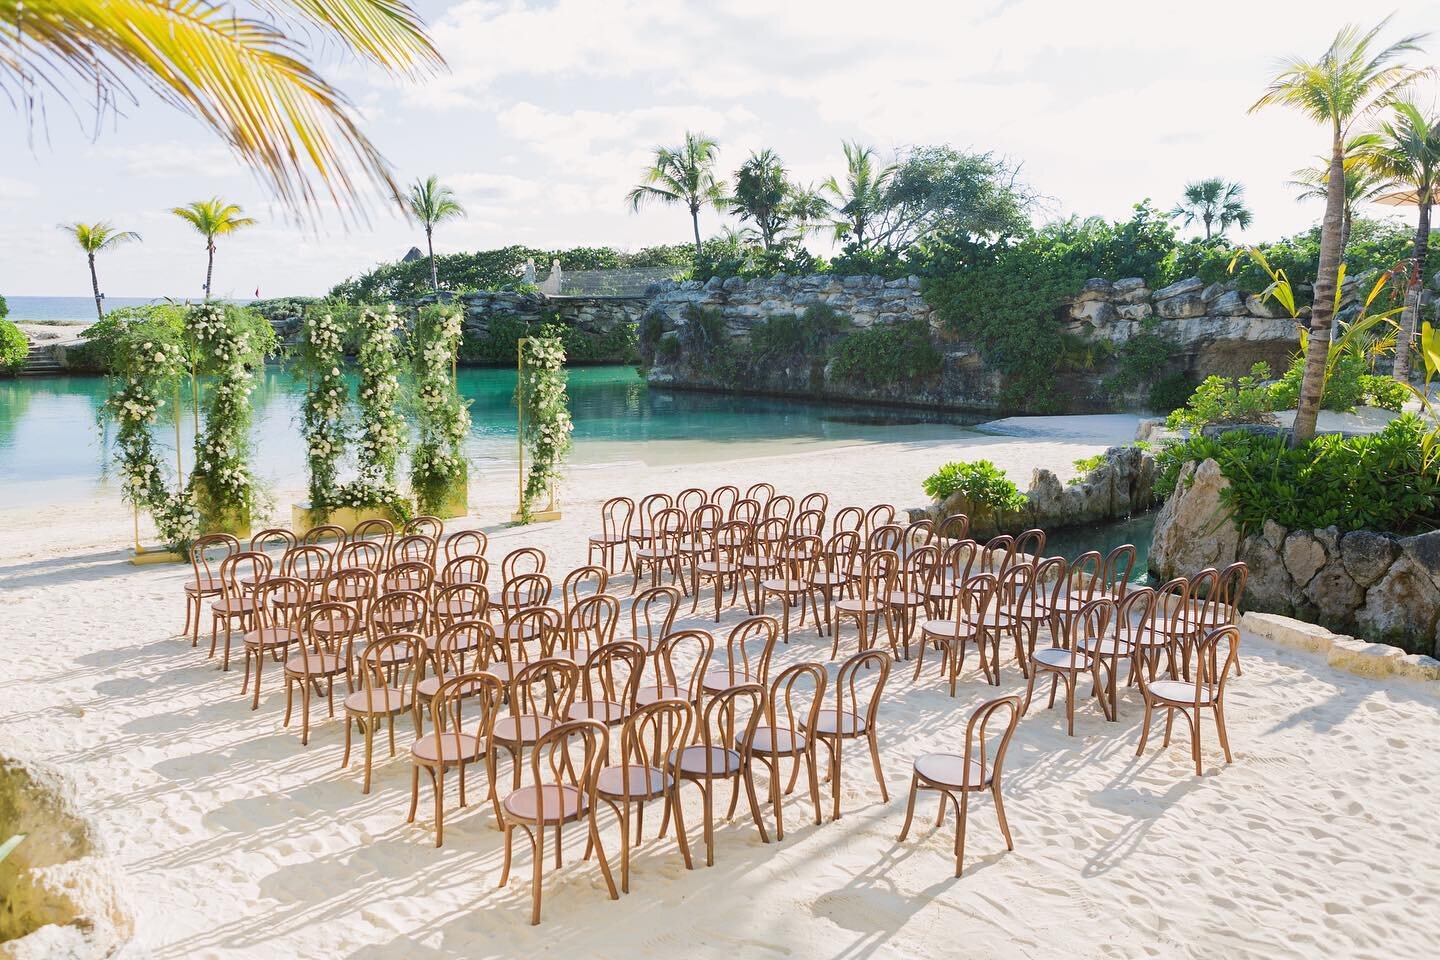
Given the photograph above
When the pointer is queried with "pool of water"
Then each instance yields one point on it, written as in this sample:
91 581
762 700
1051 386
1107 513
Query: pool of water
1070 542
55 445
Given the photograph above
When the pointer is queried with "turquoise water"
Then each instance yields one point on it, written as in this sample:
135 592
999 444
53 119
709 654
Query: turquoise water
55 447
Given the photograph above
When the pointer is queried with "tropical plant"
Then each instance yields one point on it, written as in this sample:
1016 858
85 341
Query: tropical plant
940 191
247 77
1362 182
1408 156
222 482
382 430
1352 80
432 203
212 218
683 175
1246 399
980 484
862 198
438 465
1217 204
547 422
886 355
94 238
14 347
320 359
107 338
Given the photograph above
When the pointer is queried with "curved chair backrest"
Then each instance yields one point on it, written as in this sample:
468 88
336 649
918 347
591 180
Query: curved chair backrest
413 548
591 623
522 560
241 573
389 671
985 746
613 672
280 600
918 568
880 515
408 575
368 554
761 493
730 716
885 537
582 582
681 660
544 688
376 530
815 501
461 601
567 756
1232 589
542 625
650 505
998 554
781 507
1133 614
793 704
746 510
525 590
323 629
919 533
470 568
466 543
724 497
473 637
654 735
687 500
1087 576
768 535
207 553
400 611
808 523
849 518
1051 577
616 515
273 538
326 532
1117 569
425 526
954 527
355 586
308 561
1205 599
879 574
960 559
1030 545
1093 623
704 519
652 615
1172 614
749 648
842 551
859 684
468 700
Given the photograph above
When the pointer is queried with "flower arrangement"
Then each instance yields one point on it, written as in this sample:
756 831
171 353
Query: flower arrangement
321 358
548 426
381 427
225 348
438 463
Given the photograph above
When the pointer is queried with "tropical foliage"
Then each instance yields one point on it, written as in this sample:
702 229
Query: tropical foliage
244 72
980 483
437 464
320 358
227 348
14 347
1215 204
430 203
683 175
212 218
95 238
382 430
546 416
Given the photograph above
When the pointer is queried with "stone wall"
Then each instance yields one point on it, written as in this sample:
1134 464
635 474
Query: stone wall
1376 585
865 300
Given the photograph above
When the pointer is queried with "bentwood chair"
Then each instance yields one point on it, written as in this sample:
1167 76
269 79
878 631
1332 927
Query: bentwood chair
236 607
414 548
909 599
817 502
652 615
1190 698
447 654
977 769
362 555
724 497
323 655
377 531
273 538
276 627
649 745
580 583
426 526
748 650
616 515
954 527
1030 546
588 625
564 766
465 543
878 579
849 519
680 663
792 707
539 627
663 551
729 717
725 546
608 678
522 560
859 685
540 695
949 577
388 673
471 568
791 580
326 533
207 553
1106 654
834 576
1065 658
979 621
459 601
462 712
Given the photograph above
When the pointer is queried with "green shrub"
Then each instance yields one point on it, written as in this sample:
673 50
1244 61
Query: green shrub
1170 392
14 347
703 334
1086 466
786 337
979 481
1223 400
105 338
1350 384
887 354
1374 482
497 345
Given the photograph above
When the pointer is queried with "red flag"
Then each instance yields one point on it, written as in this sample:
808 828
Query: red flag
257 293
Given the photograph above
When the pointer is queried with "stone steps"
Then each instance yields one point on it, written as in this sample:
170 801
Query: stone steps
39 363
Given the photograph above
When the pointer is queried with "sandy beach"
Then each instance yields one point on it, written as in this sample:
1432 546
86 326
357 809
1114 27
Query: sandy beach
234 841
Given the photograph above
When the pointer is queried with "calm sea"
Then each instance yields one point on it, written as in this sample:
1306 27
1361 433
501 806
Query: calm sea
70 309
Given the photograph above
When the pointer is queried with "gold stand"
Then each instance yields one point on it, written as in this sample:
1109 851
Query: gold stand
142 555
551 512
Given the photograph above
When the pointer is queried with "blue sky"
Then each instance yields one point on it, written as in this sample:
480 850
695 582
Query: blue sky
549 110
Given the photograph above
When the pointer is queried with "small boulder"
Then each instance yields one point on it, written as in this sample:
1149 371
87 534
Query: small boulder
1303 556
1367 555
1180 288
1402 606
1185 305
1231 303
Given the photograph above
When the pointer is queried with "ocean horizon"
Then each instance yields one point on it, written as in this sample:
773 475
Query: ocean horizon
77 309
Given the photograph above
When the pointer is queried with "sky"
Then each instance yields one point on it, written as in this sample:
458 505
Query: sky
549 110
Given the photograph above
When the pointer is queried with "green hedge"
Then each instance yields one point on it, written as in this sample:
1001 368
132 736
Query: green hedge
887 355
497 345
14 347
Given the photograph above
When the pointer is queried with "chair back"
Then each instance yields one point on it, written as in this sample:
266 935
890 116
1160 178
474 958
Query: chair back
425 526
808 523
413 548
400 611
997 554
616 515
376 530
367 554
815 501
469 568
987 737
687 501
704 521
1030 545
242 573
567 758
415 575
746 510
1205 598
525 590
781 507
280 601
1133 614
323 533
1093 624
762 493
885 537
545 688
652 738
612 672
848 518
520 561
308 561
1232 588
466 543
1117 569
724 497
954 527
859 685
879 575
541 625
1173 615
681 660
652 615
792 705
355 586
582 582
468 700
390 670
273 538
461 601
880 515
207 554
463 638
919 533
650 505
749 648
729 717
329 629
590 624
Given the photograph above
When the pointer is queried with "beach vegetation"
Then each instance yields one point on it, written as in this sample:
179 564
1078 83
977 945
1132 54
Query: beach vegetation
94 238
682 176
431 203
213 218
14 347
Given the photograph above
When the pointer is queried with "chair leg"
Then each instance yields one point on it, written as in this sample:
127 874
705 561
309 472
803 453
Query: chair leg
1000 814
814 782
875 761
438 778
600 852
505 864
910 807
962 816
1220 729
707 792
414 791
537 875
1144 729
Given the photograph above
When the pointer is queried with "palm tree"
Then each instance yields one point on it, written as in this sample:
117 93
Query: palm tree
761 192
246 77
684 174
430 203
1216 203
1349 82
93 238
1362 182
863 196
1408 156
212 218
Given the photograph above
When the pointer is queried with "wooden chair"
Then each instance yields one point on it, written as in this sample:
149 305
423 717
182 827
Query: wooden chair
791 580
471 568
207 553
728 718
310 562
273 538
662 551
462 712
646 511
465 543
459 601
520 561
727 544
1107 654
652 615
724 497
835 575
1030 546
748 650
539 627
240 576
858 687
362 554
521 592
609 677
909 599
540 695
426 526
323 655
580 583
324 533
416 576
978 621
377 530
446 656
792 706
849 520
680 661
589 625
561 791
649 744
1190 697
977 769
276 629
388 673
954 527
1065 658
878 579
815 501
414 548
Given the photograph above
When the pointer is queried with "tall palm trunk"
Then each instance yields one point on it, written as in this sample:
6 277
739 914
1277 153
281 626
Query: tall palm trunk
434 274
1411 313
695 222
1322 308
95 286
209 265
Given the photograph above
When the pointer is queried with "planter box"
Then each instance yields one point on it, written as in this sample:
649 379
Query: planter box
303 519
216 517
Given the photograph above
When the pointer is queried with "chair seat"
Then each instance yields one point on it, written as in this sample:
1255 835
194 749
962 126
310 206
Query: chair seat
948 770
290 597
311 664
614 539
206 586
1181 691
786 585
848 724
234 606
1061 659
904 598
606 711
456 608
272 637
857 605
701 761
560 802
650 693
720 679
340 627
394 619
655 553
350 592
770 740
448 747
526 728
992 619
724 567
1106 646
947 629
379 700
632 780
942 591
826 579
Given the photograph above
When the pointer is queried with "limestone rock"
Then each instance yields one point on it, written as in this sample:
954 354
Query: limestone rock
1287 631
1135 311
1335 595
1258 306
1367 555
1270 587
1095 312
1130 290
1303 556
1175 308
1193 529
1094 289
1400 605
1274 534
1229 304
1180 288
1424 549
1213 292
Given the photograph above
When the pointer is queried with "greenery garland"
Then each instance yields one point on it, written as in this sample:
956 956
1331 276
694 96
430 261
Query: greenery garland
226 348
381 427
548 425
151 361
321 356
438 463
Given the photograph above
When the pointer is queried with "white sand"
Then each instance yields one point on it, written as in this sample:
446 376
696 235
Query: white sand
237 842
